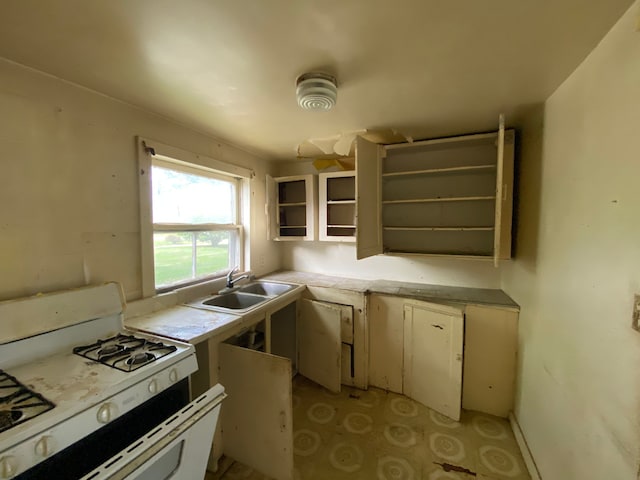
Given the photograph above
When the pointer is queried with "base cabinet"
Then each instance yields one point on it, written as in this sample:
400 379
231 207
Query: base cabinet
256 363
400 351
350 332
490 356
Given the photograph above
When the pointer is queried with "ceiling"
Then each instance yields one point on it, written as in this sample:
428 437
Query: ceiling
426 68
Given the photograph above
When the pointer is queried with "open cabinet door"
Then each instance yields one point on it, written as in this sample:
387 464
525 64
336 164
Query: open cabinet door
270 209
368 198
499 192
433 346
504 194
319 342
257 422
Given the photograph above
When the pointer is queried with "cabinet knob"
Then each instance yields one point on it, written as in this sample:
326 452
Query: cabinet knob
107 412
45 446
8 466
173 375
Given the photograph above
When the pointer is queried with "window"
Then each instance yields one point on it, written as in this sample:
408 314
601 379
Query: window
190 221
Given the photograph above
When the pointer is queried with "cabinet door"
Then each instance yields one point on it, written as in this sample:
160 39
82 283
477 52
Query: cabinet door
319 344
257 416
386 343
271 208
504 194
433 342
368 198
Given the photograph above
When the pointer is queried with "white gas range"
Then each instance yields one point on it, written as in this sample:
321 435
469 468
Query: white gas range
81 397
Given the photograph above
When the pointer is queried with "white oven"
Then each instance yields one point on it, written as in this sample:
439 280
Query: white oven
177 449
83 398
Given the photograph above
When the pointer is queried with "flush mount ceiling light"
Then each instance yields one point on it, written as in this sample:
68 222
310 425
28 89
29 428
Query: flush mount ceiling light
316 91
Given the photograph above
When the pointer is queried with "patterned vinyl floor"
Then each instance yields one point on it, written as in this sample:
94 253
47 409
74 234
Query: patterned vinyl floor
385 436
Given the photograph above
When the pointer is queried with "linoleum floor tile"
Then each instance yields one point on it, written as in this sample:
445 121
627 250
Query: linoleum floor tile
381 435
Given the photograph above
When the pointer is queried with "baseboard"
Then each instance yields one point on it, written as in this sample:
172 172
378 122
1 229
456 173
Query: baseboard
524 448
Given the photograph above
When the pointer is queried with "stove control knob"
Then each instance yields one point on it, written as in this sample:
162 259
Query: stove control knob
8 466
107 412
153 386
173 375
45 446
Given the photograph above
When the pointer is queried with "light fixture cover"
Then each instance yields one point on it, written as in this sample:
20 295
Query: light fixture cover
316 91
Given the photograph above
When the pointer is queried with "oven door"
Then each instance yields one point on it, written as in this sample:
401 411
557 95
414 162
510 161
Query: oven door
177 449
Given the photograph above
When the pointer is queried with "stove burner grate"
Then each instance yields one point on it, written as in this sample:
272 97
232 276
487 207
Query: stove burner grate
17 403
125 352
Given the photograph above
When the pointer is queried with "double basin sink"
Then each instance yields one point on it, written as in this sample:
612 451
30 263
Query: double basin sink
243 298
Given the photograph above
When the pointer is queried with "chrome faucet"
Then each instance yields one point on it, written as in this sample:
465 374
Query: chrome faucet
231 281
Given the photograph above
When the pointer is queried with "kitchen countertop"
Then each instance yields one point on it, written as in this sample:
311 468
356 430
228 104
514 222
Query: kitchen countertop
193 325
418 291
187 324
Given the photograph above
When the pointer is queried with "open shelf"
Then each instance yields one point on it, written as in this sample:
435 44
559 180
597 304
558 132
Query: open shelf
441 229
436 171
450 199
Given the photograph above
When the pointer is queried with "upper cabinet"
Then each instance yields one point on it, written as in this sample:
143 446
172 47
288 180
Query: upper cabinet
337 206
291 207
449 196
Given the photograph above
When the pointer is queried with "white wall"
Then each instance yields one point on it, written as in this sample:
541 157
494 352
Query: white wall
577 268
69 185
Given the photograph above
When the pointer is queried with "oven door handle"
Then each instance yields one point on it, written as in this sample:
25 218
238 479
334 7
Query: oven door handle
198 420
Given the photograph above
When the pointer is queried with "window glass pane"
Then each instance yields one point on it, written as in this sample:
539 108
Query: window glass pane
184 198
184 256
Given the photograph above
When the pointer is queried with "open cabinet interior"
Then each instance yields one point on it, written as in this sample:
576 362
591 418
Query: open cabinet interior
337 206
291 207
445 196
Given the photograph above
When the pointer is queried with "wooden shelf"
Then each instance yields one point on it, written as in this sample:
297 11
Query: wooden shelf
295 204
341 226
440 229
341 202
436 171
445 199
292 226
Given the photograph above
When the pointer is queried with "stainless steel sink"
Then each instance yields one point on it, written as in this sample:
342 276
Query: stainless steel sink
269 289
243 298
235 300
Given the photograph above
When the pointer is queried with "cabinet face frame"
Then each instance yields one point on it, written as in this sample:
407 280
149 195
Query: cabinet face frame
325 204
274 205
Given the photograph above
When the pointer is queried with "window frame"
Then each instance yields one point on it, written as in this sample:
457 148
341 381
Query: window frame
150 153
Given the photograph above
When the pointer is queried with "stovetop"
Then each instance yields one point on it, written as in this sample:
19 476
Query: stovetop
17 403
125 352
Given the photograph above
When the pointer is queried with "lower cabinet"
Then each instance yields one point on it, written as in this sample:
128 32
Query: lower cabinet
256 363
428 351
490 359
416 349
336 319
